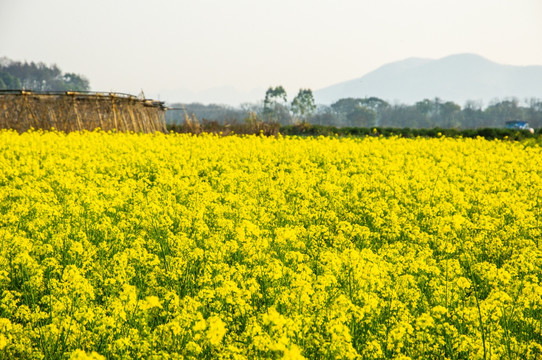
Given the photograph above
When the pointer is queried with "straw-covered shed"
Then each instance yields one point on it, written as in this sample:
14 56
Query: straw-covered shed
73 111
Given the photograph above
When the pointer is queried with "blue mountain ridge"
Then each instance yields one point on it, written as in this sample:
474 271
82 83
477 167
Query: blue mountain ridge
457 78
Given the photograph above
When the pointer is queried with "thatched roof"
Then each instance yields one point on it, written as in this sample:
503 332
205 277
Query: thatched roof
72 111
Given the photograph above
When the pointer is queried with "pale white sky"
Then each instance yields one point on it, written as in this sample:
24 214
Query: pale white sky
164 45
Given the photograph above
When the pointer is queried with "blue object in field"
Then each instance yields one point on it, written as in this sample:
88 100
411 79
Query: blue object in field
519 125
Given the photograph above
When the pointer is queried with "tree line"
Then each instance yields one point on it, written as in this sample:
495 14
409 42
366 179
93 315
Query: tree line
275 108
369 112
16 75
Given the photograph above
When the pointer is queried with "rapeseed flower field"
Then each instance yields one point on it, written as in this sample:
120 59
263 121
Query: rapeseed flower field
132 246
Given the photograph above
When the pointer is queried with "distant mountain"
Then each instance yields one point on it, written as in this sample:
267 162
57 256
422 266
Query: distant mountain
455 78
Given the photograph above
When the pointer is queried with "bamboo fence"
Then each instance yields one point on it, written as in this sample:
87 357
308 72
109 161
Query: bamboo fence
75 111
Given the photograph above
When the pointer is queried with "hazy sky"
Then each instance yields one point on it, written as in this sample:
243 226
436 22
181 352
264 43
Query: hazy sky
161 46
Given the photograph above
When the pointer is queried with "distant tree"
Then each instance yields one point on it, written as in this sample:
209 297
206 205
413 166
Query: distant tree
402 116
436 113
256 107
362 117
345 106
533 114
450 115
390 116
377 105
323 115
75 82
358 112
374 103
277 94
211 112
426 111
303 104
274 105
425 106
40 77
472 115
7 81
500 112
342 108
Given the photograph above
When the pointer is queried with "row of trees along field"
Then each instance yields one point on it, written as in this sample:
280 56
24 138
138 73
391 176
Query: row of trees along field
369 112
16 75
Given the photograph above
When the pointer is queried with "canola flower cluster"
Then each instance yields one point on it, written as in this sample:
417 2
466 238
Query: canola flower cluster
185 247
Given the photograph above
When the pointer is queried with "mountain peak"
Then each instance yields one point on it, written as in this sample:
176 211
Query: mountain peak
466 56
458 78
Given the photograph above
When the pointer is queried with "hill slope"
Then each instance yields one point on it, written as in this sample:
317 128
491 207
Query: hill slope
457 78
